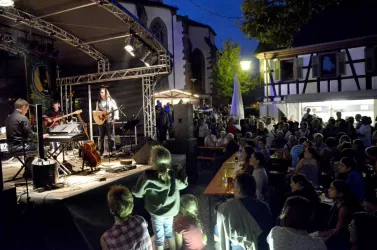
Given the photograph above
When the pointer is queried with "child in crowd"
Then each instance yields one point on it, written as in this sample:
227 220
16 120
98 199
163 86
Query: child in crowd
160 189
129 232
187 226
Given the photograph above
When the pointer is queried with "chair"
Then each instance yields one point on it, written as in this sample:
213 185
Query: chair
18 155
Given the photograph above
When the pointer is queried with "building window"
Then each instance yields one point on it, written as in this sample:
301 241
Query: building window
287 69
159 29
198 71
328 65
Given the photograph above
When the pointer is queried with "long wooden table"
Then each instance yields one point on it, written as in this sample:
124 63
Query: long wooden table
219 187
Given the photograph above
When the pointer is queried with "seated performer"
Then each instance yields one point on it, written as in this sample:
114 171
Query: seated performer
19 133
49 116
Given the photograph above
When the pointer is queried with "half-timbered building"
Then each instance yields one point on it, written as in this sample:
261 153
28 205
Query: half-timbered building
331 67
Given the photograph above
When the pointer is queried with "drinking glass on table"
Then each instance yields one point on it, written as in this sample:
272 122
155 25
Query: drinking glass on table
230 179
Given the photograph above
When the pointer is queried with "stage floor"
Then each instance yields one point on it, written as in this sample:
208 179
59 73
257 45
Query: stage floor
76 183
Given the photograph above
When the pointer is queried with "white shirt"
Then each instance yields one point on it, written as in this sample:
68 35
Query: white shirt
281 238
202 130
366 131
210 140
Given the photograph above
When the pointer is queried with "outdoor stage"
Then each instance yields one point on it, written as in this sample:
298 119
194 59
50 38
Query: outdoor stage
71 217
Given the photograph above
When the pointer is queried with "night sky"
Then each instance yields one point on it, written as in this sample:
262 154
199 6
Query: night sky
224 27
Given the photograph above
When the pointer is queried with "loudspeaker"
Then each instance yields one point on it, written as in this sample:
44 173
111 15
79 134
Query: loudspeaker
45 173
183 121
142 155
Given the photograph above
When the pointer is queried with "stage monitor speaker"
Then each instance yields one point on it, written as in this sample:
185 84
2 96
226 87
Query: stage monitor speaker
183 121
45 173
142 155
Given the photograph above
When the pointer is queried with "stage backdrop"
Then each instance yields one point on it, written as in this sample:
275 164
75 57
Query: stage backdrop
41 81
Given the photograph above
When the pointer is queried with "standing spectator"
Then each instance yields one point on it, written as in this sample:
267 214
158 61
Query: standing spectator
261 130
188 227
339 119
243 221
231 128
365 131
305 116
358 121
160 189
202 132
330 130
129 231
295 219
317 127
162 124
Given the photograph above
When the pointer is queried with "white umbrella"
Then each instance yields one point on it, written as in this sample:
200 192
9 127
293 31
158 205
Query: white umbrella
237 111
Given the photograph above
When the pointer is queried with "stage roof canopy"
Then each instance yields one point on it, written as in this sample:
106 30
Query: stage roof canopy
101 28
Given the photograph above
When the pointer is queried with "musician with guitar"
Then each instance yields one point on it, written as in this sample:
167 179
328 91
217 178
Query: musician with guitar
51 120
110 114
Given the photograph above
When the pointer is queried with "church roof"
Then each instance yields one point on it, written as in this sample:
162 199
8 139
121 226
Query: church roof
151 3
348 21
195 23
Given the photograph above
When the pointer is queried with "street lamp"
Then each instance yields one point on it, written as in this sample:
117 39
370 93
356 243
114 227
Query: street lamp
245 65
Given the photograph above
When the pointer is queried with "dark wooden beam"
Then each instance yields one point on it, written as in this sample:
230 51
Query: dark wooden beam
307 73
353 69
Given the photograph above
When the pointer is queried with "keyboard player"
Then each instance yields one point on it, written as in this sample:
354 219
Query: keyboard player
18 131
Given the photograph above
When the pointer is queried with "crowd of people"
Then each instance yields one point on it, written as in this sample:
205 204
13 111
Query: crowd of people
343 150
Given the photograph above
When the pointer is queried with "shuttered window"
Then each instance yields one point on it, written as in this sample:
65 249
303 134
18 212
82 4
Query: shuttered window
277 74
315 67
298 70
340 63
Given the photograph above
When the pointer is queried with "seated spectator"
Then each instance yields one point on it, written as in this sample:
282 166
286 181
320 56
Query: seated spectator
279 127
363 231
244 221
302 187
304 130
286 131
248 136
317 127
129 231
309 165
210 140
328 154
344 138
231 129
330 130
246 154
262 148
341 212
296 151
365 131
187 226
358 146
370 203
295 219
221 141
318 144
261 129
279 142
286 151
231 147
258 162
353 177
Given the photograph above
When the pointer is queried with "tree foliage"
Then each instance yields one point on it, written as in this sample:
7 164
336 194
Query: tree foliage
228 64
275 22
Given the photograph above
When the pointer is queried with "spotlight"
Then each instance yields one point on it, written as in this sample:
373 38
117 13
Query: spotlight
130 45
6 3
149 58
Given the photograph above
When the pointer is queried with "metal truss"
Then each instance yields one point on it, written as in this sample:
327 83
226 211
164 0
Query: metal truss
115 75
42 25
133 22
148 107
12 49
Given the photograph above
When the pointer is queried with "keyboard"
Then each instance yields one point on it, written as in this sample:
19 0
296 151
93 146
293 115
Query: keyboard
66 137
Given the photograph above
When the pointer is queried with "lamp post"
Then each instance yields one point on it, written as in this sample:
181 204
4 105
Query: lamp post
245 65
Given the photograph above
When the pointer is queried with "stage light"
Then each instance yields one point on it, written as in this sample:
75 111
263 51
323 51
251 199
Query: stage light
6 3
149 58
130 45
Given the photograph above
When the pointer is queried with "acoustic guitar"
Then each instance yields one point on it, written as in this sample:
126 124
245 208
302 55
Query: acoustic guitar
58 118
88 151
100 117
